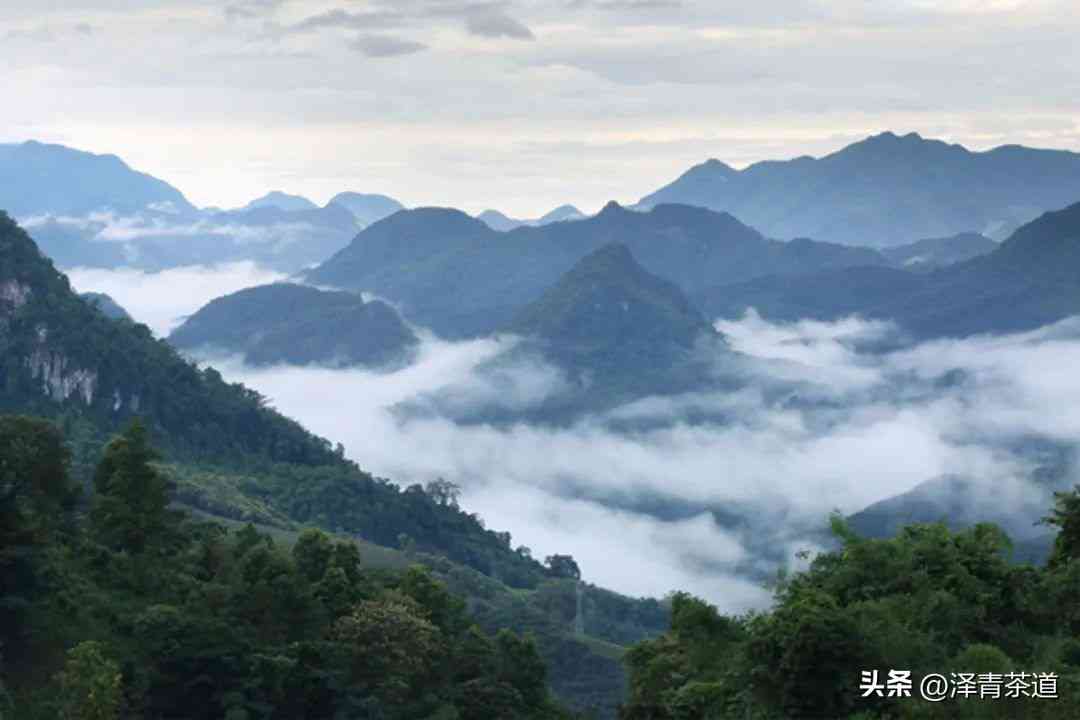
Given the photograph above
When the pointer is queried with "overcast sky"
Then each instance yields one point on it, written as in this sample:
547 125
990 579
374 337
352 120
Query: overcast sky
521 104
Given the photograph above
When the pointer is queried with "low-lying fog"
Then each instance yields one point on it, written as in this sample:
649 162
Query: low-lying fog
823 423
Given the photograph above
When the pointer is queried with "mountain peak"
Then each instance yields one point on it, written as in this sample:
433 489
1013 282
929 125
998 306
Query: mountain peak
367 208
281 201
608 308
612 209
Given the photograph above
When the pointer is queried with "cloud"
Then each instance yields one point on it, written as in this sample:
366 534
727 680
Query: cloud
495 24
381 46
339 18
161 300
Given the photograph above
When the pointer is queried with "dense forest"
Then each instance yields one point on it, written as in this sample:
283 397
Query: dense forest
927 601
114 605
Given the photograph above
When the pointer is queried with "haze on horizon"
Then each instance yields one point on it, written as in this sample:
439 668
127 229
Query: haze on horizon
519 104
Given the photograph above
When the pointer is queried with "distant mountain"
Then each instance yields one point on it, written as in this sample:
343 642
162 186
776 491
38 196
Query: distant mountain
94 211
109 307
456 275
609 311
367 209
281 201
885 189
293 324
561 214
935 253
618 331
1031 280
614 331
285 240
39 179
498 221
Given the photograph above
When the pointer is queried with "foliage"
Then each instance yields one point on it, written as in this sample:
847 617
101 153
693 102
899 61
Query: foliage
155 615
89 685
928 600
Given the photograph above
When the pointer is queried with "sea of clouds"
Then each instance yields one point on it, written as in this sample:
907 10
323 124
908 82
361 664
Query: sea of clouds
718 489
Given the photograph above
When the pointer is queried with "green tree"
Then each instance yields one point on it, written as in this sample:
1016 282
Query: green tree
90 684
1065 516
130 508
312 553
36 500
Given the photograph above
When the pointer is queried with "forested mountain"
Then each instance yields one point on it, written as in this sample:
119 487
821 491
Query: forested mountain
454 274
1031 280
298 325
132 609
230 456
884 190
618 331
39 179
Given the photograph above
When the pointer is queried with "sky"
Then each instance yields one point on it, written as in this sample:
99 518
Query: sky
521 105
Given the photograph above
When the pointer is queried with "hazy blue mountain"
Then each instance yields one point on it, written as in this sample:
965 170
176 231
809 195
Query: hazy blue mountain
109 307
934 253
286 240
456 275
561 214
293 324
94 211
367 209
39 179
886 189
281 201
1031 280
498 221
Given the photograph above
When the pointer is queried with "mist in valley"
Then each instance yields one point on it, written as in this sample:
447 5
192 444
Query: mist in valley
711 492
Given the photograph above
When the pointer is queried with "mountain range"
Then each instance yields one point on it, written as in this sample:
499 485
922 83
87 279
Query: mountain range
95 211
497 221
454 274
1031 280
885 190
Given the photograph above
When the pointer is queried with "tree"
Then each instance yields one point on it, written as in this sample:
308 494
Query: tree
443 492
394 647
90 684
312 553
130 508
562 566
36 500
1066 518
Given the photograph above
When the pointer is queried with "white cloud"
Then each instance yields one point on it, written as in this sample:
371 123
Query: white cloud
162 299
